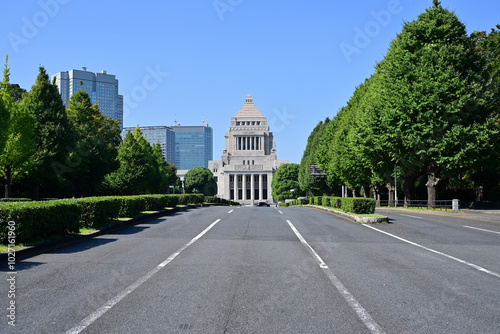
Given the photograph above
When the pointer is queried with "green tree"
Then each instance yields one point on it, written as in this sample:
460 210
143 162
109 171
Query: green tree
285 183
136 172
314 186
166 172
16 146
436 98
200 180
96 146
486 177
53 132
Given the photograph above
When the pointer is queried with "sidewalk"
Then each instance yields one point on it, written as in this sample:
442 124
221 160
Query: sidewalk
492 216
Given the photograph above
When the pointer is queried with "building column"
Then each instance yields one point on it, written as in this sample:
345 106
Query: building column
260 187
244 192
252 187
236 192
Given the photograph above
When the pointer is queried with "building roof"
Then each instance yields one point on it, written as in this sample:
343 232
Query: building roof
249 109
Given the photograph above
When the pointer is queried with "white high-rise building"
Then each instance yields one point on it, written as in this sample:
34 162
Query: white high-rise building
101 87
247 164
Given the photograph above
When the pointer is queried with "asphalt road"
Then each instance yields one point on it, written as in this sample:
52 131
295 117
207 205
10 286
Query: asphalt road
266 270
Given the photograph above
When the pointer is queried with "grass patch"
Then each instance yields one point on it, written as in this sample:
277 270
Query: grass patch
5 248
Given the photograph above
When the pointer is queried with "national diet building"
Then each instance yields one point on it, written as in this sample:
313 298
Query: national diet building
247 164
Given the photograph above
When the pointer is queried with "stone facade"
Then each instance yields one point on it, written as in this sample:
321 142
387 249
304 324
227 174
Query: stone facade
247 164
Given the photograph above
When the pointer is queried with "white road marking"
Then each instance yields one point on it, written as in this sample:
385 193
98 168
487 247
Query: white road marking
410 216
280 212
230 211
475 266
112 302
481 229
353 303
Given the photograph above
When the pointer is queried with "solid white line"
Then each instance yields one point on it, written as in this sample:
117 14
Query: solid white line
481 229
410 216
230 211
475 266
353 303
112 302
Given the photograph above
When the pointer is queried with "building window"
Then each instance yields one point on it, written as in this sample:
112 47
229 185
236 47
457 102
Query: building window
243 161
237 123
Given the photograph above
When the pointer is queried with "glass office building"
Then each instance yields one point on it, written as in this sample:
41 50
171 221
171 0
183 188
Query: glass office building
158 134
101 87
193 146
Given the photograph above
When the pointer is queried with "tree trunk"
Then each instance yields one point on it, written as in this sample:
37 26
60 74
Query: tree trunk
8 181
432 183
376 194
365 191
409 189
36 192
390 187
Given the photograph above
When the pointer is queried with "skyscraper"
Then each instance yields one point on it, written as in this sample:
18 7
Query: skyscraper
193 146
158 134
101 87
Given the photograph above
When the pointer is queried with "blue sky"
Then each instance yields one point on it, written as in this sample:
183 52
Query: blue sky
196 59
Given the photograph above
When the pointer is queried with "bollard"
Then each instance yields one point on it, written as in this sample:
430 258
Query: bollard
455 205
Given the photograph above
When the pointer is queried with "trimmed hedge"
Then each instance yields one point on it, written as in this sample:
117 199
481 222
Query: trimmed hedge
38 219
218 200
97 211
6 200
349 204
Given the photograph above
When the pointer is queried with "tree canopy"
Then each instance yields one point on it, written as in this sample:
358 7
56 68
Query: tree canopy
200 180
285 184
430 108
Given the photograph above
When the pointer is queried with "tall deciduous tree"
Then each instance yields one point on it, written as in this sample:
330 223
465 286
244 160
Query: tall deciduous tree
431 78
53 132
285 183
16 146
314 186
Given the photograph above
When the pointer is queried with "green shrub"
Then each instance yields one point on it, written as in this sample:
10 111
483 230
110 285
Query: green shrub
325 201
132 206
97 211
335 202
171 201
154 202
8 200
358 205
318 200
39 219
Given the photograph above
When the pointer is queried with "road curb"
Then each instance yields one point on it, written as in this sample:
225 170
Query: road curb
51 245
351 217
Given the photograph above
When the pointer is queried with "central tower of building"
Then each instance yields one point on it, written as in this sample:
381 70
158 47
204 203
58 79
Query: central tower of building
247 164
